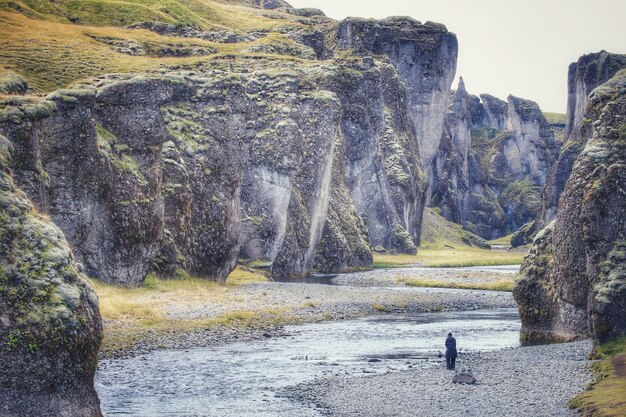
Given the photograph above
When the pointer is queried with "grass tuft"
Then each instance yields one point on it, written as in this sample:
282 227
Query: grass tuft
606 397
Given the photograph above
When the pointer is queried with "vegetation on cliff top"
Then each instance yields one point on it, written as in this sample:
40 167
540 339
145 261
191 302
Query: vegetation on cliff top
52 44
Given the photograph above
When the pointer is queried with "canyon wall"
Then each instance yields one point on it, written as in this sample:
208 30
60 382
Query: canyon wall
584 76
254 159
425 58
572 282
493 159
50 328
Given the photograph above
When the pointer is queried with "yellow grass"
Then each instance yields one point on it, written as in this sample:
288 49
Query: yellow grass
607 396
502 285
443 256
53 55
504 240
134 314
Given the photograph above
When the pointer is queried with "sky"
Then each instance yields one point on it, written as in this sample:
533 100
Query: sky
509 46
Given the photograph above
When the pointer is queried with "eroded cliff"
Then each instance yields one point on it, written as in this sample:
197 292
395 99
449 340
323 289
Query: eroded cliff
242 158
50 328
493 160
583 77
572 281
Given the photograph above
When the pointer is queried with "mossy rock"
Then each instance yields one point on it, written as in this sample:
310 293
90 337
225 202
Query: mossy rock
51 328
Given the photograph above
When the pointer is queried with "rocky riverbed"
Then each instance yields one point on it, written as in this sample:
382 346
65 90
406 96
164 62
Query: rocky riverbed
368 346
269 306
521 381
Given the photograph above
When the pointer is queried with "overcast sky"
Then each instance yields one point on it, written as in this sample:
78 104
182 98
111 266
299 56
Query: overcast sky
509 46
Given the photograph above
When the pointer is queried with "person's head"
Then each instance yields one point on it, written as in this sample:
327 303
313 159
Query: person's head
449 334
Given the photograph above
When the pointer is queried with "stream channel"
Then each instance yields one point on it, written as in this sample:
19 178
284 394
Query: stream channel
245 378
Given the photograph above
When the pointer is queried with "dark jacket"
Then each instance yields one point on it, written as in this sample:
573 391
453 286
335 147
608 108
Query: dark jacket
450 347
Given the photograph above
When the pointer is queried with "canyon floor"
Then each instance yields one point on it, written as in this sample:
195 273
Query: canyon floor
363 343
195 312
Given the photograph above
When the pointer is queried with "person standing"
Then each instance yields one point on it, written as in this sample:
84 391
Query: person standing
450 351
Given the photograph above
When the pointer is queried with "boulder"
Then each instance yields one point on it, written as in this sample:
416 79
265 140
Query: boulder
463 378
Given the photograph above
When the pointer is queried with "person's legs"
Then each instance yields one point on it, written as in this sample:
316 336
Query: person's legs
448 363
452 363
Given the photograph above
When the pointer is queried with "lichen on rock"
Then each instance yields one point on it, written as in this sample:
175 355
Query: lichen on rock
50 328
587 291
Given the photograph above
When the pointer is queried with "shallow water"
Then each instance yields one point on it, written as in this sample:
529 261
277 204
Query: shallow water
241 379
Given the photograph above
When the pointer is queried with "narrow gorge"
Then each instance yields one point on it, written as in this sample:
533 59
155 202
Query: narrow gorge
177 175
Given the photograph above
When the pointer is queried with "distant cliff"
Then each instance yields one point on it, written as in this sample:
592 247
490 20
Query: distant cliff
493 160
573 280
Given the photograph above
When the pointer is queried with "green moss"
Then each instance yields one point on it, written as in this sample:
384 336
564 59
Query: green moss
40 287
605 396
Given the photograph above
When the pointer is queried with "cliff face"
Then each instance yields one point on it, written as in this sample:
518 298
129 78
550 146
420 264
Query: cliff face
50 327
493 158
102 193
460 184
584 76
425 58
194 169
382 159
576 287
181 142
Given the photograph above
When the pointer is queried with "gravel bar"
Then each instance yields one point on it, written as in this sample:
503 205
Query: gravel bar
525 381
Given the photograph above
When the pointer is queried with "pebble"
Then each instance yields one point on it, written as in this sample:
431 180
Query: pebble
520 382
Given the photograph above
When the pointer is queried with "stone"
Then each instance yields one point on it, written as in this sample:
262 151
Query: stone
50 327
575 288
463 378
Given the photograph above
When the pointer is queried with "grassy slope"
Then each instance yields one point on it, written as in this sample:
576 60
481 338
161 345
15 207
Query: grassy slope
555 118
41 44
504 240
607 396
442 246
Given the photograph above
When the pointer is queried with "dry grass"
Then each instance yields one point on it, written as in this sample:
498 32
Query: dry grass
135 314
53 55
502 285
504 240
440 255
607 396
201 14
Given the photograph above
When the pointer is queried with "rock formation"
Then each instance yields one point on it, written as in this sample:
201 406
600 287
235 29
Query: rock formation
573 281
425 58
493 159
50 327
460 185
195 169
584 76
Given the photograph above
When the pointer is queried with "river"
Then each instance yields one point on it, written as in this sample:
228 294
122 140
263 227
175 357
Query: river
245 379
